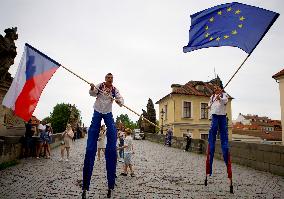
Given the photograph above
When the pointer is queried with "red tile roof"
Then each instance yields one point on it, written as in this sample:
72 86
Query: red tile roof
280 73
197 88
256 117
271 136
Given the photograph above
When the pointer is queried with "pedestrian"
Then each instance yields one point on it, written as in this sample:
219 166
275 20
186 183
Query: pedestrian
188 142
75 135
43 141
41 127
48 138
121 135
129 150
105 94
170 136
39 142
79 132
28 139
217 106
166 138
101 141
67 136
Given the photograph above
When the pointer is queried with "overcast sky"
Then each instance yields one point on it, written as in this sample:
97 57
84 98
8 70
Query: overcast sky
140 42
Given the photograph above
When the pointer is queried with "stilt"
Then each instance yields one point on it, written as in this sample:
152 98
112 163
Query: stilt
231 186
84 194
108 193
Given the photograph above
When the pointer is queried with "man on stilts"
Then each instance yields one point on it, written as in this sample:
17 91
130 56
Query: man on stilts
217 106
230 24
105 93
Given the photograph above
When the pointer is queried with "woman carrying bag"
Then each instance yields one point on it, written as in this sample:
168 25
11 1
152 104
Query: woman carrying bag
67 139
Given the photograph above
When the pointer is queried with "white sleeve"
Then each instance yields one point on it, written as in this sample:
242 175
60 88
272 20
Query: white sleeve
94 92
118 96
224 100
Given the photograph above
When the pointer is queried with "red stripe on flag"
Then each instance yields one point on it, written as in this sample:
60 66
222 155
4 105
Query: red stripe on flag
229 166
29 97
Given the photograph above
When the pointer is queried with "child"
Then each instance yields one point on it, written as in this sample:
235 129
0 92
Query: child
128 151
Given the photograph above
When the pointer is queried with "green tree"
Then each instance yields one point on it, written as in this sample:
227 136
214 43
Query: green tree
125 120
47 120
63 114
151 115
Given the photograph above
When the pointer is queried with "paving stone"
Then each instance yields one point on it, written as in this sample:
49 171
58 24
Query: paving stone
161 172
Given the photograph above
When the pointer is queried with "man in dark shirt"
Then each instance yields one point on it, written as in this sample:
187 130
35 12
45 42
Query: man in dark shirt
28 141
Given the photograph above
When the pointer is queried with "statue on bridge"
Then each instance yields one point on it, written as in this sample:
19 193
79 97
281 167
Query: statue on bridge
7 53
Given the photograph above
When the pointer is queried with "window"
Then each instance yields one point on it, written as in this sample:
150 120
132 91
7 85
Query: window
187 109
204 136
204 111
166 112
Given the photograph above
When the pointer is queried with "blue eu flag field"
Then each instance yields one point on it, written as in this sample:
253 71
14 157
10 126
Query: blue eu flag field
231 24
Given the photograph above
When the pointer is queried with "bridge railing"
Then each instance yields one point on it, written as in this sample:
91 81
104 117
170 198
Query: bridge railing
263 157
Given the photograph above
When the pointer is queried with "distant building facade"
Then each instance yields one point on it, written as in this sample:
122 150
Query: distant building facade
184 109
279 77
255 122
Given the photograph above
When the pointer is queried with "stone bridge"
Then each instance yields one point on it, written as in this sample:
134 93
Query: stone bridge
161 172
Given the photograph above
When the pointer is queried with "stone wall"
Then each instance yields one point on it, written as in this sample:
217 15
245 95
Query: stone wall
263 157
11 147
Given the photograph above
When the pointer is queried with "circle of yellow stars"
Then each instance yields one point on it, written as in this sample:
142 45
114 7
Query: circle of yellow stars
233 32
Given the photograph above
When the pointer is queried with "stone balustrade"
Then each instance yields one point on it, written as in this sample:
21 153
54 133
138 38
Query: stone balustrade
11 146
263 157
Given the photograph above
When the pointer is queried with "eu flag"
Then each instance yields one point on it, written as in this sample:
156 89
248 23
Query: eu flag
231 24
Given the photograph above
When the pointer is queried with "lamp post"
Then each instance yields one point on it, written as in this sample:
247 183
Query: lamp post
162 119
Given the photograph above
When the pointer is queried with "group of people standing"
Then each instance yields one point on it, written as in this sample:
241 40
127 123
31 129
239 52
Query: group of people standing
45 139
124 147
101 145
36 139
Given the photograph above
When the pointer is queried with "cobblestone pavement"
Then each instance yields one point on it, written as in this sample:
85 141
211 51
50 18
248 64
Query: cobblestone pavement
161 172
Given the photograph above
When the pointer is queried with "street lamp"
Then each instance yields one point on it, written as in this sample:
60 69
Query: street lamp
162 118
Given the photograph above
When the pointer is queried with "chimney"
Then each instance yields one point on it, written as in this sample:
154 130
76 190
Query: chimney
175 87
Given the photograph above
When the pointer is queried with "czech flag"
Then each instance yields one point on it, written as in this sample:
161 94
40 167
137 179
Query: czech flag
33 73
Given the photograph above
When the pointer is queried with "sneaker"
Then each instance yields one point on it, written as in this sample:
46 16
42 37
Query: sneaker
132 175
61 159
123 174
67 160
37 157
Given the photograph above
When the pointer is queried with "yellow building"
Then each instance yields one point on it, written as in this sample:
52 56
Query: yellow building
184 109
279 77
